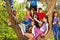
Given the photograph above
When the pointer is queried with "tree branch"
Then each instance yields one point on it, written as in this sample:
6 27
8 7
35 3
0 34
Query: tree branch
5 22
13 22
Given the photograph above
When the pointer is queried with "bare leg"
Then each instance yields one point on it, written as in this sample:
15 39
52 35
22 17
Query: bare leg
30 36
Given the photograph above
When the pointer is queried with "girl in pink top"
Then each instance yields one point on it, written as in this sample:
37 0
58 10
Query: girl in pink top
27 20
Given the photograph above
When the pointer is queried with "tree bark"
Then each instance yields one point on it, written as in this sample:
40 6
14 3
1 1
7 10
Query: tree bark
14 25
50 13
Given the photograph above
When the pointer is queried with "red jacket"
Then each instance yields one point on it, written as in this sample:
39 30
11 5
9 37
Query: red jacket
40 15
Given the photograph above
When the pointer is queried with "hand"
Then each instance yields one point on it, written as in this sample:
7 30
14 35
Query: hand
54 22
43 35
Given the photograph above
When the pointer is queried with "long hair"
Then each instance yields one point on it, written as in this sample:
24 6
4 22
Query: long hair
54 14
33 13
46 18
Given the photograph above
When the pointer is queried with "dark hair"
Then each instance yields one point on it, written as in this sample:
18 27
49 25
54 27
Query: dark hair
33 13
54 13
46 18
14 12
31 22
37 24
40 8
33 9
28 9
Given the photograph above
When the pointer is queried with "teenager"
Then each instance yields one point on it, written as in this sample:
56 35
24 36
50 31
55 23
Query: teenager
27 20
42 30
31 29
55 24
38 31
40 14
32 14
33 4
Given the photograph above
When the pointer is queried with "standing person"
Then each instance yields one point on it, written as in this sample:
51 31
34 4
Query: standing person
33 4
59 30
55 24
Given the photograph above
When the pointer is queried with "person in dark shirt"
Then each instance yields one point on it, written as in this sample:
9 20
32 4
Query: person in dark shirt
33 4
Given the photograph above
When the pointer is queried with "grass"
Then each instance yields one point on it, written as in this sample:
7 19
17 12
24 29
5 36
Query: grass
51 38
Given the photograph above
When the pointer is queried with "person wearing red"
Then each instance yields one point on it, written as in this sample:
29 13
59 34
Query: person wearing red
40 14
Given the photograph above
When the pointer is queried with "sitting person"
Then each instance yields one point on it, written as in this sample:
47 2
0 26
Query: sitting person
37 31
27 20
42 30
39 16
31 29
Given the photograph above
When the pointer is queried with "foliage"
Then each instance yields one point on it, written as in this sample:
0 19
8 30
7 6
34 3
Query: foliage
6 32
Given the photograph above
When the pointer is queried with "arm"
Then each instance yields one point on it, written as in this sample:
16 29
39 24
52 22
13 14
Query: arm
31 18
46 30
54 23
30 29
37 20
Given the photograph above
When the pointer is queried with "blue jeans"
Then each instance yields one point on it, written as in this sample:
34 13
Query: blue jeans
55 31
59 33
27 22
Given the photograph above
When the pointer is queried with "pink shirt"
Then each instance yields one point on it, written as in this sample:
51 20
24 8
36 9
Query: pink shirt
28 17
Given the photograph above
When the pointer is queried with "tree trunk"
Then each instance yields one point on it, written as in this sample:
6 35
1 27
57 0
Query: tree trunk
14 25
50 13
